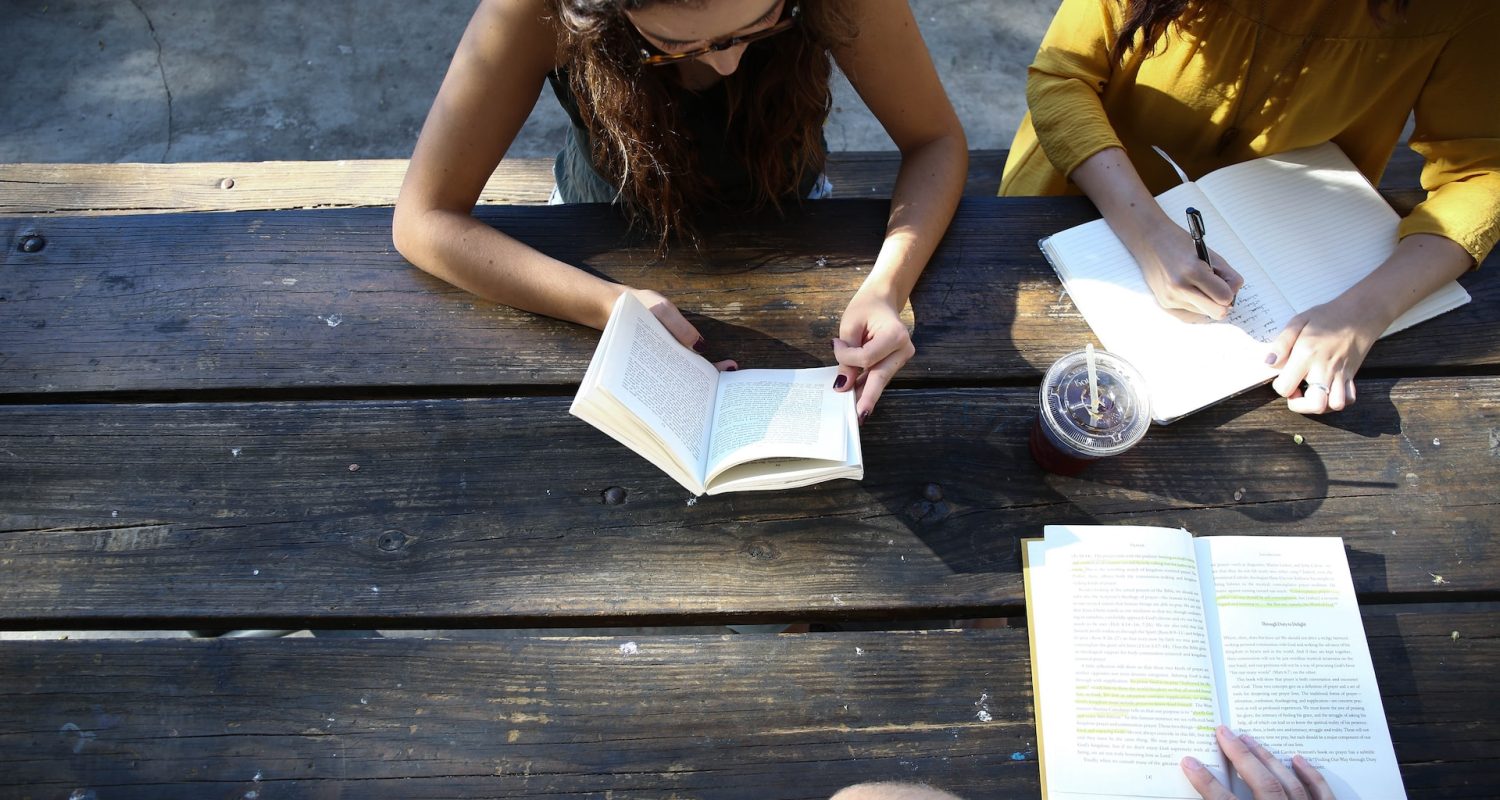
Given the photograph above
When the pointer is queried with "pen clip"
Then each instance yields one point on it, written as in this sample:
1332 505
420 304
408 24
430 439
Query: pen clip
1195 224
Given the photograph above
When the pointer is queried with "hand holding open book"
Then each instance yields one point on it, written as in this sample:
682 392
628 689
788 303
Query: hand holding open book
1144 640
712 431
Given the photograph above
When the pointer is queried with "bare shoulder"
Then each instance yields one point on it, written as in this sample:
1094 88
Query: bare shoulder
504 31
881 18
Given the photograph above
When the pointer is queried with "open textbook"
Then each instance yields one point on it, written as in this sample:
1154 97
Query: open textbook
1301 227
1143 640
714 431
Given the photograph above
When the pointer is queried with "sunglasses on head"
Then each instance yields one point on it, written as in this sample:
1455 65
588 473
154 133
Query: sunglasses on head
656 58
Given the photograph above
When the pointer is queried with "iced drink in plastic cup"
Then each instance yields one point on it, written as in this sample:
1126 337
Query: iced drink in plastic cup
1071 432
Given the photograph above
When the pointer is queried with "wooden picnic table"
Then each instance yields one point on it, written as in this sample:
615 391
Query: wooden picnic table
268 419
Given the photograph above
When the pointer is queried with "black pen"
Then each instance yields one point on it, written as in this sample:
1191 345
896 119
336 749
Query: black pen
1195 227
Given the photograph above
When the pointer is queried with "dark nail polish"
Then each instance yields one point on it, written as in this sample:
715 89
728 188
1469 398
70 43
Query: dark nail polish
838 383
700 345
1270 358
863 415
731 368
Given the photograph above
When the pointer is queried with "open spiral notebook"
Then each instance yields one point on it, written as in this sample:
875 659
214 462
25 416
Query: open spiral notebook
1301 227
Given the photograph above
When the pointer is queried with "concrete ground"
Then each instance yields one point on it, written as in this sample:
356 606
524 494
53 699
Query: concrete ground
264 80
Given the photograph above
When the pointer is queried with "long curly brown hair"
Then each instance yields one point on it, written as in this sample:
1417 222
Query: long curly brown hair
1153 17
779 99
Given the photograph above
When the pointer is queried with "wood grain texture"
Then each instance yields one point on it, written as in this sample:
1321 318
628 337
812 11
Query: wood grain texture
318 299
707 717
272 185
95 189
490 511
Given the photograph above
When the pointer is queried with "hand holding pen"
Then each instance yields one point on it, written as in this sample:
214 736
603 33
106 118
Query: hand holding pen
1206 285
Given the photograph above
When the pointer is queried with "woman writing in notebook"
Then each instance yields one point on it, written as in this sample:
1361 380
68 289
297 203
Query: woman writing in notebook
680 106
1216 82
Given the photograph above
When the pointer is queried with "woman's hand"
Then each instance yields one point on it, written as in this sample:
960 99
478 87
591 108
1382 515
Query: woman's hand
1179 279
1326 344
1323 346
677 325
1267 777
873 345
1169 261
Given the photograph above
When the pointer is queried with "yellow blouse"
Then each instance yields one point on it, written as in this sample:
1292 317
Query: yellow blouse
1319 70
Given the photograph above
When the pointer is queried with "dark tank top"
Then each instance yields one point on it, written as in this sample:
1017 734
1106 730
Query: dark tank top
704 113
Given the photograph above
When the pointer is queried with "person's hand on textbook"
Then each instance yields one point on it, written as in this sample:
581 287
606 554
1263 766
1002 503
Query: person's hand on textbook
873 345
1323 347
1181 282
676 324
1265 774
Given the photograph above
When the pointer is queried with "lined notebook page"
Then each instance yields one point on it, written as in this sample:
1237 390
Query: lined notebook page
1186 365
1316 226
1311 219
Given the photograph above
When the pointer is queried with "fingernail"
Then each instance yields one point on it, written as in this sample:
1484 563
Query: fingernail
863 415
1270 358
838 383
1248 739
731 368
1192 763
700 345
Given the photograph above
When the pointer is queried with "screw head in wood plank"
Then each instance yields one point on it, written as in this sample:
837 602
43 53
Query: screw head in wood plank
391 541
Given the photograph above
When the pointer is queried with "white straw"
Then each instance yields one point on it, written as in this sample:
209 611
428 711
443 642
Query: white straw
1093 381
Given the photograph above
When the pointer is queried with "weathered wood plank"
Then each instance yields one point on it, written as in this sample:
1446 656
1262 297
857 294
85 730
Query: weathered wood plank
295 299
490 512
237 186
711 717
272 185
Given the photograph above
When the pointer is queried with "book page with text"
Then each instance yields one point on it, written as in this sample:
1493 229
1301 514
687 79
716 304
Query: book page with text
1187 365
1296 667
787 473
667 386
777 413
1125 683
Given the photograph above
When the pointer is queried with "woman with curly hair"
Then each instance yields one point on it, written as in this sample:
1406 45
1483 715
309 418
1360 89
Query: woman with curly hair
681 107
1217 82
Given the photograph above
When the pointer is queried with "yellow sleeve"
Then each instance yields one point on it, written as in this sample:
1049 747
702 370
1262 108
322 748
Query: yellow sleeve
1458 133
1063 85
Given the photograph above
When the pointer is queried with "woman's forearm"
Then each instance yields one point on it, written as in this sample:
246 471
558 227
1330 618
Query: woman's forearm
1167 257
1421 264
1110 180
928 187
477 258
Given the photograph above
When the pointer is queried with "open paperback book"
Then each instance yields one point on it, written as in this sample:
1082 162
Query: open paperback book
1301 227
714 431
1143 640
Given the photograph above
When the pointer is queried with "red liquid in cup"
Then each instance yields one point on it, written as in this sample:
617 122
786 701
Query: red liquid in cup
1072 429
1051 455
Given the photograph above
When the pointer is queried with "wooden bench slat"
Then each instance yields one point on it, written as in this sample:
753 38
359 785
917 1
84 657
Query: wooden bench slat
103 189
288 300
272 185
707 716
248 515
